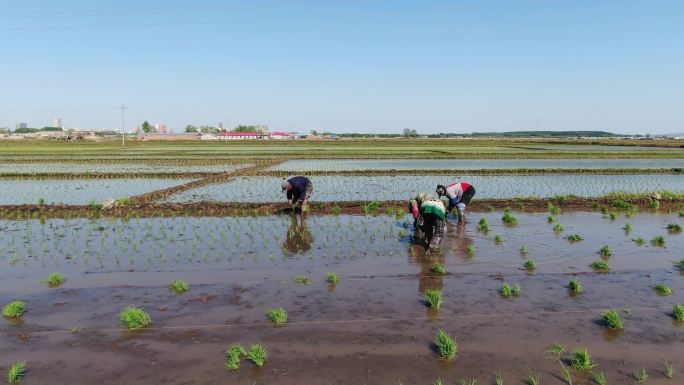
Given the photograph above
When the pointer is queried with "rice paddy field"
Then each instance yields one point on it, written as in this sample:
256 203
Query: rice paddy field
556 277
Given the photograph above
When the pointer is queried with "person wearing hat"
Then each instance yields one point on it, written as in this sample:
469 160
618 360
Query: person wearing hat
299 189
429 217
459 195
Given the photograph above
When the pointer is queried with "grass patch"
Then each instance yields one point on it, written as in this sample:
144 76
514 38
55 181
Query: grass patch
372 208
674 228
530 265
622 205
277 316
499 239
575 286
678 312
558 228
14 309
483 225
509 218
133 318
433 298
600 265
605 251
179 286
438 269
581 361
663 289
54 279
612 320
258 355
658 241
332 278
16 372
235 353
446 347
641 376
574 238
302 279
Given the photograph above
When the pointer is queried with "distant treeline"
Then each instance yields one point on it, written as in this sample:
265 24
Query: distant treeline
511 134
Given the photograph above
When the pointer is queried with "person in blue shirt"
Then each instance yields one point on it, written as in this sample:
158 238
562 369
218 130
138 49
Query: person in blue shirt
299 190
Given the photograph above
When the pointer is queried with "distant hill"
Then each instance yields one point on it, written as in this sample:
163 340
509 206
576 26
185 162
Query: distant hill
545 134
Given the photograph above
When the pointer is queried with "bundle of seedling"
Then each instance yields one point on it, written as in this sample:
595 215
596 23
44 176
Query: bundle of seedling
237 352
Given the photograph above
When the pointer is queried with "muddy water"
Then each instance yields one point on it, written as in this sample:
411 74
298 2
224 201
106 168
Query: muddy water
371 328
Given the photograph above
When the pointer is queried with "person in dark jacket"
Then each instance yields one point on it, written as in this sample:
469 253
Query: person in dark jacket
299 190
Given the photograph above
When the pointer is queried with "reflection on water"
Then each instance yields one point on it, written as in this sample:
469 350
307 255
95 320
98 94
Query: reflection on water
298 239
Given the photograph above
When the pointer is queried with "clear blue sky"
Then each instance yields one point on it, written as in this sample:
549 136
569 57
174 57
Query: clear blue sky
346 65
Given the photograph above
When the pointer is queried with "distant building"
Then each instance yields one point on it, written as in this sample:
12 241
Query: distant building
220 126
242 135
156 136
161 128
22 125
57 122
279 135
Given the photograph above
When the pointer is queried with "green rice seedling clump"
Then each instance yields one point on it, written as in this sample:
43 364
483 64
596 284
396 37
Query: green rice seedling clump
302 279
483 225
499 379
438 269
532 379
612 216
566 373
641 376
555 210
530 265
133 318
258 355
499 239
575 286
179 286
332 278
599 377
433 298
558 228
446 346
639 241
277 316
551 219
612 320
523 249
509 218
654 204
674 228
14 309
605 251
581 361
600 265
669 369
236 353
54 279
663 289
658 241
16 372
556 351
680 264
628 227
574 238
470 250
438 381
467 381
620 204
506 290
678 312
516 290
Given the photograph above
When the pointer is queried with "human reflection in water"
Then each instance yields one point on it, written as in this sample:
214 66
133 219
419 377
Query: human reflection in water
299 238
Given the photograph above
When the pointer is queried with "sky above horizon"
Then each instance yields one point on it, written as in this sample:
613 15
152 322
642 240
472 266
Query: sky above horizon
346 65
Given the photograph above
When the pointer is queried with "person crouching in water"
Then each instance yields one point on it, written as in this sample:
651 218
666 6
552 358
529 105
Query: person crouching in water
429 217
459 195
299 190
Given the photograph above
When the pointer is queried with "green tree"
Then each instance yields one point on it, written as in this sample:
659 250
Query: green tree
245 129
147 127
409 133
190 128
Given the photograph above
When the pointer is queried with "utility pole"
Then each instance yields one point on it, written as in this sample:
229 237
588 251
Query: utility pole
123 126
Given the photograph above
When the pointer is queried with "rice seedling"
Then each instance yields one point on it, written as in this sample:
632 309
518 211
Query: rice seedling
620 204
556 351
680 264
516 290
575 286
470 250
605 251
336 210
236 353
639 241
558 228
581 361
41 202
438 381
523 249
566 373
257 354
332 278
641 376
551 219
467 381
509 218
532 379
506 290
627 228
600 265
433 298
179 286
599 377
133 318
499 379
438 269
663 289
277 316
499 239
530 265
446 347
54 279
612 320
674 228
654 204
658 241
574 238
16 372
14 309
555 210
678 312
669 369
612 216
483 225
302 279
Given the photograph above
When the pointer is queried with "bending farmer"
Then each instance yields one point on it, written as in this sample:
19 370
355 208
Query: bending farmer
429 216
299 189
459 194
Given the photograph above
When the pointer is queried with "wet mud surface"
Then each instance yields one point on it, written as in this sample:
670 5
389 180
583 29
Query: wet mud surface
373 327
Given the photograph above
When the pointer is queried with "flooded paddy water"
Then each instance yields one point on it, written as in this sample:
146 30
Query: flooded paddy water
372 327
